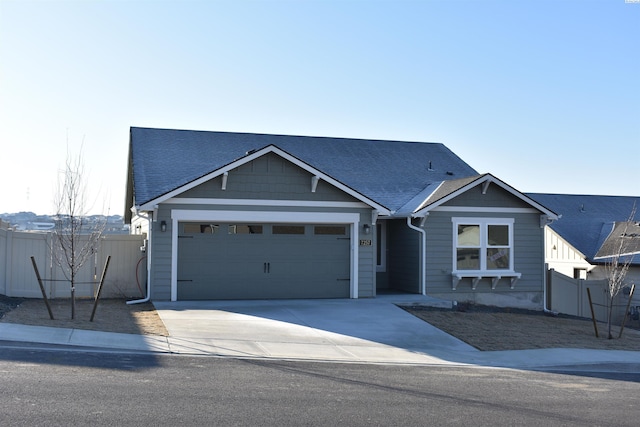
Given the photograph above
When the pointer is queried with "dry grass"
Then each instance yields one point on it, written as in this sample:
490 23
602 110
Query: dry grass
112 315
493 329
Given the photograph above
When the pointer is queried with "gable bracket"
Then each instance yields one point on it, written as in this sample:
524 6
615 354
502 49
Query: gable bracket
225 177
545 220
314 183
485 186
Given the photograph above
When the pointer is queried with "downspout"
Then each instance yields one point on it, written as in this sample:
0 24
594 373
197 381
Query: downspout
544 291
423 250
544 222
148 296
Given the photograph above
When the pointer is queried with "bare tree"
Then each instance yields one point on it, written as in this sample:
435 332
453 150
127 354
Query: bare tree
622 243
75 237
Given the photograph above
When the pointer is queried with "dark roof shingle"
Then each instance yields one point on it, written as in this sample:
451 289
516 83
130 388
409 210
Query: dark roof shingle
587 220
388 172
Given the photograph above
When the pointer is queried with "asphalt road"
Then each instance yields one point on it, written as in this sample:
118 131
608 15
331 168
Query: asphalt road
63 387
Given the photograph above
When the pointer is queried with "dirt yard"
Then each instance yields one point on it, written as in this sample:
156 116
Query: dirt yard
112 315
485 328
493 329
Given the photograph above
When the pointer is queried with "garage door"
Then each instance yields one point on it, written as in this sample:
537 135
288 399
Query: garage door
259 261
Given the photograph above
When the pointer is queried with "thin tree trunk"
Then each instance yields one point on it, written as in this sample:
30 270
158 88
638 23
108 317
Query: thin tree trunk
73 297
609 316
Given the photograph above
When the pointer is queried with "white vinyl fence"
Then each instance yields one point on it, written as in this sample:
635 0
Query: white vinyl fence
126 274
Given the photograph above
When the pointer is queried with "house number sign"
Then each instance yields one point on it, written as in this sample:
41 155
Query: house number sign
365 242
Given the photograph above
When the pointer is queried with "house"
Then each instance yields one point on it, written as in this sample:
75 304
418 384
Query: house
588 234
255 216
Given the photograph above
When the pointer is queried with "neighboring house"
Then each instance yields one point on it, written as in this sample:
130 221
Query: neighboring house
253 216
582 240
588 233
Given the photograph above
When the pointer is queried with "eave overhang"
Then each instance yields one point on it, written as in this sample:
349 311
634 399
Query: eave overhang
438 198
150 205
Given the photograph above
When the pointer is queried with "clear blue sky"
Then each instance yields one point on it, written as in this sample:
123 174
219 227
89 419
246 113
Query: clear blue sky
543 94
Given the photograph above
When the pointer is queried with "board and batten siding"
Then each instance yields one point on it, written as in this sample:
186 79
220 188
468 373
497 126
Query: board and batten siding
268 178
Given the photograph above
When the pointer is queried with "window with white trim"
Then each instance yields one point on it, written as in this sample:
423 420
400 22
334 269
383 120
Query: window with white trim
482 244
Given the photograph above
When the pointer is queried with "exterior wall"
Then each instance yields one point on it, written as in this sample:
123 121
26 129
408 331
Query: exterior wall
564 259
528 247
403 259
268 177
382 238
268 184
561 256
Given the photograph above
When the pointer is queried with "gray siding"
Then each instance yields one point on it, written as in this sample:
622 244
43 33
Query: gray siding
403 259
266 178
528 260
161 257
528 252
494 197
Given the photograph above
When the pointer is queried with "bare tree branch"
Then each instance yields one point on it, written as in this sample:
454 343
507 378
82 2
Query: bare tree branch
618 265
75 239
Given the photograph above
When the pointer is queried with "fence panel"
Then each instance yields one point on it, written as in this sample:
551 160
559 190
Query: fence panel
569 296
565 294
126 275
17 278
3 258
22 279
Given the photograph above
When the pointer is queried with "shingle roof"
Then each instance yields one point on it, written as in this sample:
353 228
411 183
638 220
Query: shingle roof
388 172
586 220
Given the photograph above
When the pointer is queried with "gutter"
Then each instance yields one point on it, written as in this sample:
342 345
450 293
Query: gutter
423 249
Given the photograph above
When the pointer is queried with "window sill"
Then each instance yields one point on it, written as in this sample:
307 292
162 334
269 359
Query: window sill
476 276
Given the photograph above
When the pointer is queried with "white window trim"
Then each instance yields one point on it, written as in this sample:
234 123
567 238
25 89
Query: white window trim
483 223
352 219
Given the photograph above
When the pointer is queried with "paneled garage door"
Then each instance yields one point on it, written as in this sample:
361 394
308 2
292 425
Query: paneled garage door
260 261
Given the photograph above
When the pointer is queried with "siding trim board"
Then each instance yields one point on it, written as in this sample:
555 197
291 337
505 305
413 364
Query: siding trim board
266 202
479 209
465 185
290 217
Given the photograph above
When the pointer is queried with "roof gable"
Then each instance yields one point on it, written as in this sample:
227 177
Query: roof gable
449 190
624 240
389 173
253 155
587 220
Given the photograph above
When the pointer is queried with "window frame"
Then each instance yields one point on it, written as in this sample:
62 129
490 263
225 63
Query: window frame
483 224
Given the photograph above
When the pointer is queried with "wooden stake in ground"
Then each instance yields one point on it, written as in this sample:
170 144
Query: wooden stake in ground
593 315
104 273
44 294
626 311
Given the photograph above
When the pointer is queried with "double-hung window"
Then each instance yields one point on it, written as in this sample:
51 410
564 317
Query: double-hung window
483 244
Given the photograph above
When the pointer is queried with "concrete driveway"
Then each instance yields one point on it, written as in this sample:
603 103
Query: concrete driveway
362 330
